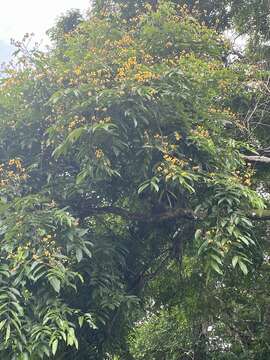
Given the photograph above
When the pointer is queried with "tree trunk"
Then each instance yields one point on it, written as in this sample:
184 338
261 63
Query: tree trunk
200 342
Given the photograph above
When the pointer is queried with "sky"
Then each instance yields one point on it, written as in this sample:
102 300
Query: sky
18 17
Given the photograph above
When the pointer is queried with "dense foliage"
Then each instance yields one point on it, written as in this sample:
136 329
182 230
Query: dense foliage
133 212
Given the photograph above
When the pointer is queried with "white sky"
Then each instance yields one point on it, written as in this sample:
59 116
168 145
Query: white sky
18 17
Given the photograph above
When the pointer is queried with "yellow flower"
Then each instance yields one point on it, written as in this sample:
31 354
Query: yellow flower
177 136
143 76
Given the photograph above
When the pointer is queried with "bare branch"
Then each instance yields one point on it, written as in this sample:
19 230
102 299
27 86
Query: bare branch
257 159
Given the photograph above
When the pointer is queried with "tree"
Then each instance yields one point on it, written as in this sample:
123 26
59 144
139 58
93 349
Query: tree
65 25
214 13
123 152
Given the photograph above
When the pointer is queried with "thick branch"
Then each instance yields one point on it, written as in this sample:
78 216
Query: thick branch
167 215
257 159
260 215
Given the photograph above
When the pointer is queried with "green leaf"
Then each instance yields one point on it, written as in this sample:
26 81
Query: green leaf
87 252
54 346
203 247
216 258
76 134
215 267
7 333
2 324
81 320
235 261
143 187
154 185
82 176
79 255
198 234
71 337
243 267
25 356
55 283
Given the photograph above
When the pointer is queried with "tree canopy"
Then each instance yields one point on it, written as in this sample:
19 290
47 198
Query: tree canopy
134 189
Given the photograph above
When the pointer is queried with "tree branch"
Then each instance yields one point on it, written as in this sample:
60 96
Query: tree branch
188 214
260 215
257 159
167 215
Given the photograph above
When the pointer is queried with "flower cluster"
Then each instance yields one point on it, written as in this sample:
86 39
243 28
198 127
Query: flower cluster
170 166
147 58
130 64
200 132
126 40
12 172
49 246
19 254
105 120
224 84
76 121
144 76
246 177
172 160
99 153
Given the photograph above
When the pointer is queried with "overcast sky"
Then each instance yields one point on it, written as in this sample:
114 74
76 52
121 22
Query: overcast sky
18 17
